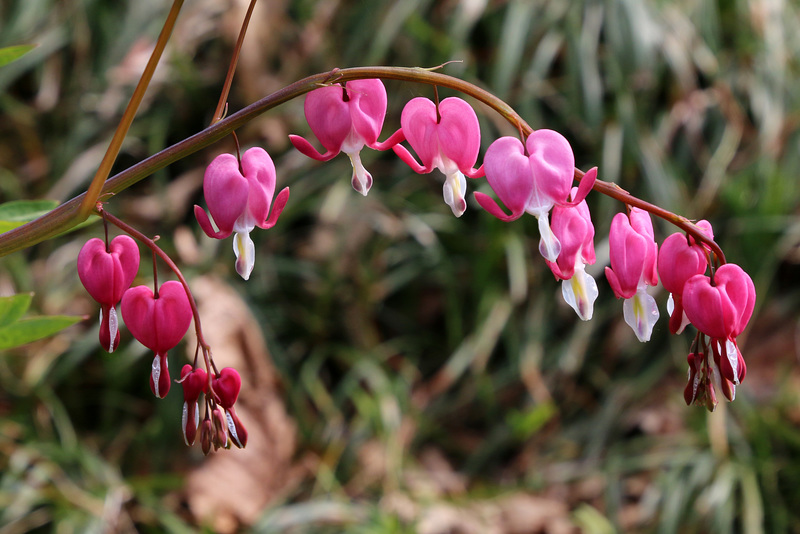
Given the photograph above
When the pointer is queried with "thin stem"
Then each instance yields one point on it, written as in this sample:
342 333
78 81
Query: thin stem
614 191
149 243
155 273
68 215
110 156
226 87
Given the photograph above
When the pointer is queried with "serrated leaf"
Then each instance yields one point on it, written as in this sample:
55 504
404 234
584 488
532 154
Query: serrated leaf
28 330
13 53
14 307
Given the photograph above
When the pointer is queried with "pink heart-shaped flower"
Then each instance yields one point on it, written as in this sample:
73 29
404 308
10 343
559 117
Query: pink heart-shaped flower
227 386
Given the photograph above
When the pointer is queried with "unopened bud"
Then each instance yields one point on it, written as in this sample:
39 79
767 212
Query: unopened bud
236 429
220 438
206 431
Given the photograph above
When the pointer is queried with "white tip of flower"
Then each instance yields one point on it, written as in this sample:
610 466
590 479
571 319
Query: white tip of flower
671 310
580 292
641 313
184 420
232 430
155 373
455 187
732 353
362 179
245 252
113 327
549 245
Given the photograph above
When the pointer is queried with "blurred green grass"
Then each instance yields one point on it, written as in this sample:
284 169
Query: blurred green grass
437 348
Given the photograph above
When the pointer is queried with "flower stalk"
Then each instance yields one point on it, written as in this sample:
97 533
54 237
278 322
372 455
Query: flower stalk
69 214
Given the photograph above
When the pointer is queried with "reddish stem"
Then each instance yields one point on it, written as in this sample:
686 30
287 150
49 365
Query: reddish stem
149 243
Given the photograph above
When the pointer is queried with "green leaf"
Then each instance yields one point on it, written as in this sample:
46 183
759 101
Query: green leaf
28 330
13 53
13 307
18 212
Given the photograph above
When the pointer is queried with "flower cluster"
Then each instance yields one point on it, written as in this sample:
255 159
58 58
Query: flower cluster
220 421
535 176
159 320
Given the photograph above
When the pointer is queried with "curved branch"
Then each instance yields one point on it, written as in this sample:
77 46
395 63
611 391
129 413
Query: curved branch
67 215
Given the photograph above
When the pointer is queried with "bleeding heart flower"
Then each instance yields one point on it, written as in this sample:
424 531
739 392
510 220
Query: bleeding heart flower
447 138
239 199
158 322
633 253
721 310
194 382
532 178
106 272
680 258
572 226
345 119
226 387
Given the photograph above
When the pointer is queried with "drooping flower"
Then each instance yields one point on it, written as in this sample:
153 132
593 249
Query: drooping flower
239 199
721 309
633 253
194 382
680 258
532 178
345 119
106 272
158 322
447 138
572 226
226 387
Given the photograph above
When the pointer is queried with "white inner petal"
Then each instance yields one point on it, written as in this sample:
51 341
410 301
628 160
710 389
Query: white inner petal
245 251
156 374
580 292
232 429
549 245
641 313
184 420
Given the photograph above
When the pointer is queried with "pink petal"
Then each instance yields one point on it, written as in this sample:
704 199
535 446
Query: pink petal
367 108
328 116
259 171
553 166
459 132
509 175
225 191
418 122
678 261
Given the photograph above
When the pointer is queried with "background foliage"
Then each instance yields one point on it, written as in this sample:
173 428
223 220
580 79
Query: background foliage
432 377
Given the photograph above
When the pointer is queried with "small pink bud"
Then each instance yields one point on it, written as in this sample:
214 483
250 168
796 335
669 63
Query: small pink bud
220 435
194 382
106 274
236 429
695 379
679 259
227 386
206 433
